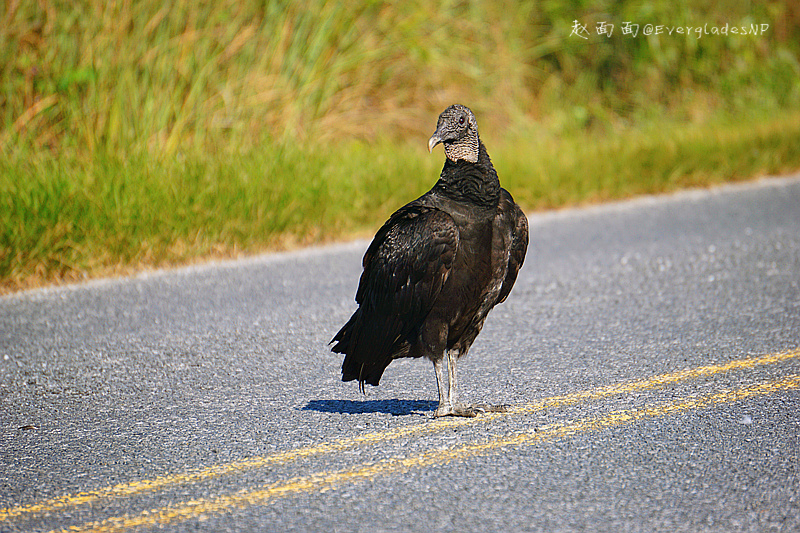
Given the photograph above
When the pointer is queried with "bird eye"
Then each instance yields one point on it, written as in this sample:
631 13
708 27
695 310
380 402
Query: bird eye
461 121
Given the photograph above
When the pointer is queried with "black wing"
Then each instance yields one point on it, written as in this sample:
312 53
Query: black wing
405 267
516 224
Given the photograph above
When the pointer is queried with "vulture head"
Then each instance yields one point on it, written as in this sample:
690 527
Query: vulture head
457 129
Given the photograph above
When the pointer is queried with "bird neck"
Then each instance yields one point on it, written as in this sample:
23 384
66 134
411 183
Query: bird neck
474 182
466 149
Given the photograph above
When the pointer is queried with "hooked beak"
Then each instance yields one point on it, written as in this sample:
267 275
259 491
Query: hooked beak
433 141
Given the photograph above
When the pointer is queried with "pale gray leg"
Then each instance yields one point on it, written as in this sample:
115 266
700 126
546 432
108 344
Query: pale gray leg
448 402
448 406
452 357
444 400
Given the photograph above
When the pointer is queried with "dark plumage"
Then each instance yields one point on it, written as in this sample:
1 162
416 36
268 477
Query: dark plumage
437 267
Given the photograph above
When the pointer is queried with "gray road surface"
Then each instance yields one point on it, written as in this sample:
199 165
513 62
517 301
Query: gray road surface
650 352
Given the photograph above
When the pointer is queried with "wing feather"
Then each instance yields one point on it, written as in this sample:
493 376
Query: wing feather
405 267
517 223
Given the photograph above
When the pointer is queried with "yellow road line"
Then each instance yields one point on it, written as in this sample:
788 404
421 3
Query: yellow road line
329 480
163 482
657 381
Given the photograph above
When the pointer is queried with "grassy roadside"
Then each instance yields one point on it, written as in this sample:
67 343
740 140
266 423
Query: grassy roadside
63 220
144 134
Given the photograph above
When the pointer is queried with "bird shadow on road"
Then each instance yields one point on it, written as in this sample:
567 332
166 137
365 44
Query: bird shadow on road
392 407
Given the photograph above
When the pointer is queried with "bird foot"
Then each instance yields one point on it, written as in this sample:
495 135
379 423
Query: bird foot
470 410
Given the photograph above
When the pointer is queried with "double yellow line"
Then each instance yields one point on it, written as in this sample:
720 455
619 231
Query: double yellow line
323 480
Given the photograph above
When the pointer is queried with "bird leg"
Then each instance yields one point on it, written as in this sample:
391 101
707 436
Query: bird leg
448 405
444 407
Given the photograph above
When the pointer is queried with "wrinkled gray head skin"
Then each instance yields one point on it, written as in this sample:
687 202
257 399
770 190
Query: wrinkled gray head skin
457 129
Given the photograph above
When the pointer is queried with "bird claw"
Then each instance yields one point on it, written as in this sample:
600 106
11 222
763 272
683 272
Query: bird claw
470 411
485 408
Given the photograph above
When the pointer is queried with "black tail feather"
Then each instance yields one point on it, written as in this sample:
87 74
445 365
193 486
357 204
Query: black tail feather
360 361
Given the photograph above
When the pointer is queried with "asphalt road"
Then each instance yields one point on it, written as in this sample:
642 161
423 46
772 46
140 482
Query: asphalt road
650 352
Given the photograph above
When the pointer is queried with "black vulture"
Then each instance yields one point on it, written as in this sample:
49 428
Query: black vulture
437 267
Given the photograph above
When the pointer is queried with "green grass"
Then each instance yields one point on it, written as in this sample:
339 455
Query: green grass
142 134
121 76
597 167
